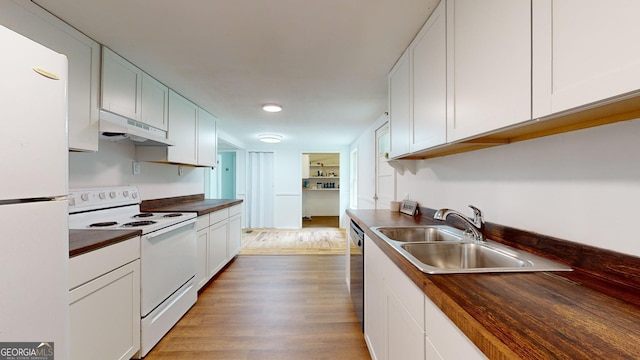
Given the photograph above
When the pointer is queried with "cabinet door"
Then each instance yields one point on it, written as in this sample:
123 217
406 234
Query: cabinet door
207 139
183 119
405 337
583 52
374 304
400 106
154 109
217 246
121 85
105 315
445 339
202 275
83 56
489 65
429 61
235 236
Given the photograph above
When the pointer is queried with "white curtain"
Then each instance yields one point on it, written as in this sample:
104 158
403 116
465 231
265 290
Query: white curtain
260 192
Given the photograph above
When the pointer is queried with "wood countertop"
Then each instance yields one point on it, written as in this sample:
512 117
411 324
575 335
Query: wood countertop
84 241
195 204
540 315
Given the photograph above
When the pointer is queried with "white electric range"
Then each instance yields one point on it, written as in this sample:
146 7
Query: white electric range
168 258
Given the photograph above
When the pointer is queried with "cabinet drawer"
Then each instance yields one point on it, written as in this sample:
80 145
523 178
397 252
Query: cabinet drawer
86 267
235 210
216 217
202 222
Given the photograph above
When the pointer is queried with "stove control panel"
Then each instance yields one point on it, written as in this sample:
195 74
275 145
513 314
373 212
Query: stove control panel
100 198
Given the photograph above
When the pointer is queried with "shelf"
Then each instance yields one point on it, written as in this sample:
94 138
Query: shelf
322 177
605 112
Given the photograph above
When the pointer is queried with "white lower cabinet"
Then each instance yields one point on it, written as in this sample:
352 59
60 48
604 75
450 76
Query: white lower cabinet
394 309
217 254
104 302
219 240
401 322
235 231
443 338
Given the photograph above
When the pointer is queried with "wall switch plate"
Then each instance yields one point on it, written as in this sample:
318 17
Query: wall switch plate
136 168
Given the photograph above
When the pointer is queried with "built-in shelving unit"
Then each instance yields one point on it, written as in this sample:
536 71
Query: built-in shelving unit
320 173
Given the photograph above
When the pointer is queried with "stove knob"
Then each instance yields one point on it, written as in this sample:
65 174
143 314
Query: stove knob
112 194
84 197
102 195
134 195
125 193
72 201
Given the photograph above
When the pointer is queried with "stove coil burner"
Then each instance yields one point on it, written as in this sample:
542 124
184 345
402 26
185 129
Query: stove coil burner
172 215
139 223
104 224
143 215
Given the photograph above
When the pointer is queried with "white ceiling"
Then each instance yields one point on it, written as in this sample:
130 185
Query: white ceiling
324 61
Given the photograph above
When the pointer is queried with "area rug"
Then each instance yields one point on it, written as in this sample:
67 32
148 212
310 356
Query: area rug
308 241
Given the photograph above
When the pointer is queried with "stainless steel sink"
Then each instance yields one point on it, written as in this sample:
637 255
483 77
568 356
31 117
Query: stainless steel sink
446 250
429 233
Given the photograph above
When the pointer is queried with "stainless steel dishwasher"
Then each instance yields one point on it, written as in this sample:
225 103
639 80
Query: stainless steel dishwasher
356 264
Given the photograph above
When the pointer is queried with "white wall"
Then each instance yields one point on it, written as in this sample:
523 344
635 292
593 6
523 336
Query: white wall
112 165
581 186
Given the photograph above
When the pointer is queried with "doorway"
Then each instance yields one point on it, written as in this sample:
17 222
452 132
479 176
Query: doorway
227 175
385 174
321 190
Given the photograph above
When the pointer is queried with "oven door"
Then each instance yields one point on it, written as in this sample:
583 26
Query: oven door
168 260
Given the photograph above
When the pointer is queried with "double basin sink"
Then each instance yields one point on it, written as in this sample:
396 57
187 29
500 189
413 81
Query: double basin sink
439 249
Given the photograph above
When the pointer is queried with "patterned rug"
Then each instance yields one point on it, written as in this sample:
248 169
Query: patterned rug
308 241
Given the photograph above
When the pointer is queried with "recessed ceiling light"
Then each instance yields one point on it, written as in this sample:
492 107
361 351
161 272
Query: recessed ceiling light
271 107
270 138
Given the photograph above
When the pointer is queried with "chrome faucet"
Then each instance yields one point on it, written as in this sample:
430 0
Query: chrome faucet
475 226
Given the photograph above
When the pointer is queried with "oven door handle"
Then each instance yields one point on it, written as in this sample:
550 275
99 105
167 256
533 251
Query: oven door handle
169 228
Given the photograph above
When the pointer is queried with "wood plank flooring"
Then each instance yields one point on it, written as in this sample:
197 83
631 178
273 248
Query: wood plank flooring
270 307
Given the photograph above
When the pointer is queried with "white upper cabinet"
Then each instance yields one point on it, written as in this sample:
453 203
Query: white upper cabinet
83 55
121 85
429 101
155 102
183 125
584 52
400 106
489 65
207 139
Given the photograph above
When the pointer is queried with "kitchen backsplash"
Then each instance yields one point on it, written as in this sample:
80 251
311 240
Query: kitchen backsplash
113 165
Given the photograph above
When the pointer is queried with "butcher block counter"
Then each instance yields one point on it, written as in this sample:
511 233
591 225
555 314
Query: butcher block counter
84 241
191 203
592 312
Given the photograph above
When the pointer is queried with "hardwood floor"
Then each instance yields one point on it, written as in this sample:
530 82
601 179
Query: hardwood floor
270 307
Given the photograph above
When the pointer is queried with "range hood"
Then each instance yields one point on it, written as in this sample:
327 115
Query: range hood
119 129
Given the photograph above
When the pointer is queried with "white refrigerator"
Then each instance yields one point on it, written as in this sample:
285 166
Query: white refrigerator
34 240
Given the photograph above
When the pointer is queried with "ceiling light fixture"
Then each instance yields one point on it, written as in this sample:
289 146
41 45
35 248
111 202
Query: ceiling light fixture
270 138
271 107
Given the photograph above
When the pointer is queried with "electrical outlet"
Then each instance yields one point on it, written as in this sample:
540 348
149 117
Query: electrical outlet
180 170
136 168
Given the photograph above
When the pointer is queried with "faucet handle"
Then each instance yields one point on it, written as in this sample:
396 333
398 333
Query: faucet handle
478 217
